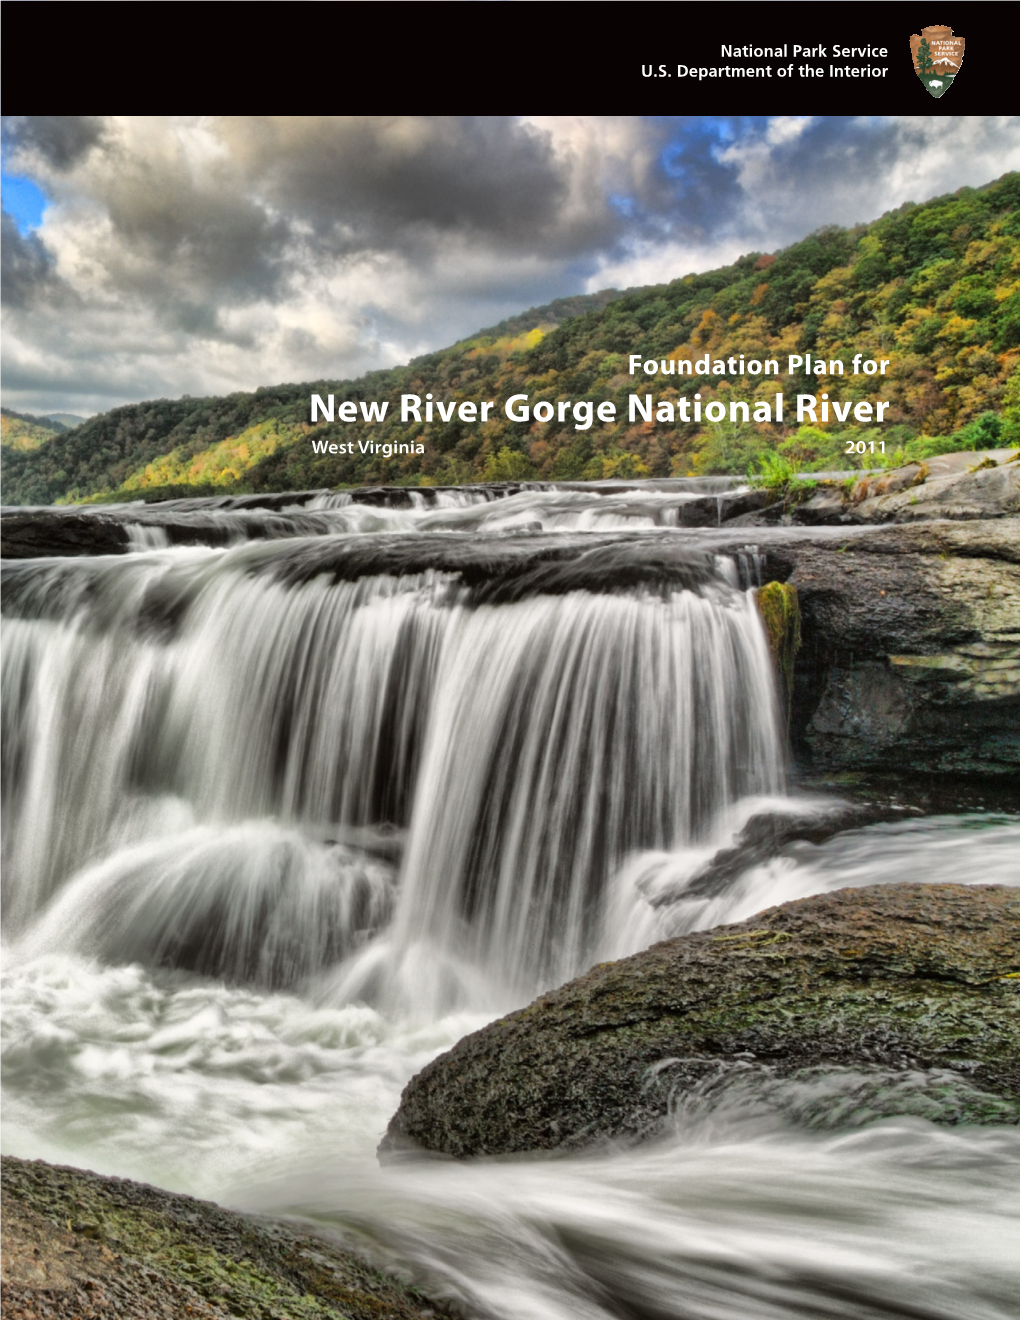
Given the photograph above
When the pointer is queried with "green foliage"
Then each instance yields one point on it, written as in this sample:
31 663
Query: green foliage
616 465
1011 409
569 464
984 432
928 446
779 608
508 465
774 473
726 449
811 449
770 470
988 431
924 60
453 471
933 288
25 431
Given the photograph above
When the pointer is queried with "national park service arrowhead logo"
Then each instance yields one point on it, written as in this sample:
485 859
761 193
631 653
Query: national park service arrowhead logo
937 57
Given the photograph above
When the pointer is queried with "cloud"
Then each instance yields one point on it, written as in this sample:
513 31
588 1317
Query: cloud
26 268
202 255
403 181
763 186
59 140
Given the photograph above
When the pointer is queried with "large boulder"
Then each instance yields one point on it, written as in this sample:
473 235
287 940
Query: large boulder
909 981
77 1246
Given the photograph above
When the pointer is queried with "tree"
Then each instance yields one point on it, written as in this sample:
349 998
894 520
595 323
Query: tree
508 465
984 432
925 63
1011 410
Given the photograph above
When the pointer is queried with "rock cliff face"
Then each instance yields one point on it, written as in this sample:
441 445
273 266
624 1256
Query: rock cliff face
910 655
41 533
913 988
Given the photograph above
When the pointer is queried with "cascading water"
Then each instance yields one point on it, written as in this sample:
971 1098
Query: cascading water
567 733
283 820
525 748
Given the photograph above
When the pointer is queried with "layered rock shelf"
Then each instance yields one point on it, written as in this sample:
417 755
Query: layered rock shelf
910 655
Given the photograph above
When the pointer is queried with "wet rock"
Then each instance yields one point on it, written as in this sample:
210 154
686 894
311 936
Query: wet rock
910 653
826 508
873 484
900 979
508 568
766 834
735 504
31 534
780 613
82 1247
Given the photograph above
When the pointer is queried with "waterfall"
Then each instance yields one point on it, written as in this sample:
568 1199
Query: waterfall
294 802
566 734
210 766
248 903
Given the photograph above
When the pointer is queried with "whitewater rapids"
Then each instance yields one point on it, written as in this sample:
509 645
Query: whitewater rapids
283 821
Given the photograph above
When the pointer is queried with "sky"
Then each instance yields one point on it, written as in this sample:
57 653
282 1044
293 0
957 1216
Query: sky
150 257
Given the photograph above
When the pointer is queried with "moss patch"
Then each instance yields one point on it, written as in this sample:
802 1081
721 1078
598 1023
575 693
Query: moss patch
77 1244
902 982
779 608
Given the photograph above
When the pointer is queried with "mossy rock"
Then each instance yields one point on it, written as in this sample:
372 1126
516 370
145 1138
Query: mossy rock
79 1245
895 980
779 608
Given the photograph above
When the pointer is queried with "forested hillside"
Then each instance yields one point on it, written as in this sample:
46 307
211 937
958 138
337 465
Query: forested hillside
26 431
934 288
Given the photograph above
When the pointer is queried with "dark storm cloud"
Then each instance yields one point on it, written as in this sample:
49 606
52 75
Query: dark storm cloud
725 173
179 241
26 268
60 140
696 190
269 199
377 179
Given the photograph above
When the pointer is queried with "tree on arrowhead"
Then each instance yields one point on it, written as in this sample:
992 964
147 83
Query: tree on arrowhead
925 63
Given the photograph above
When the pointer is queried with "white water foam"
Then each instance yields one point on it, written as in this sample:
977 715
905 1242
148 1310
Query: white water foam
270 848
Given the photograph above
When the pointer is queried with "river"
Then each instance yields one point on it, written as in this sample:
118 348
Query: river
286 817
